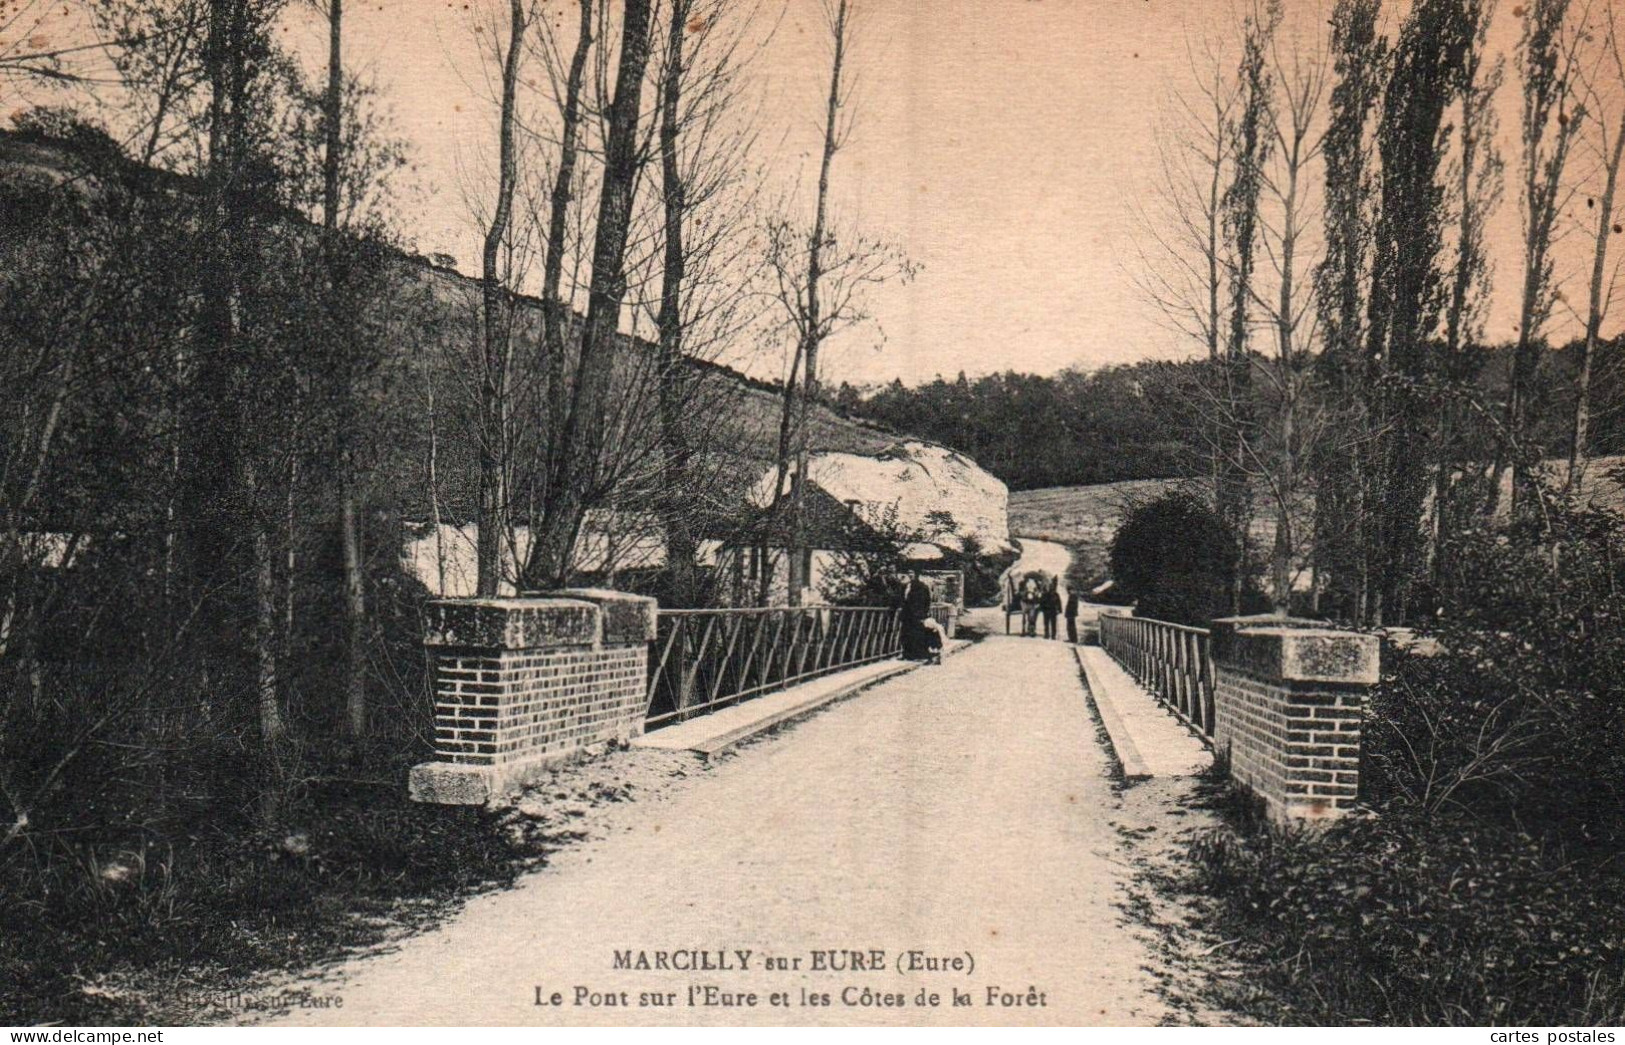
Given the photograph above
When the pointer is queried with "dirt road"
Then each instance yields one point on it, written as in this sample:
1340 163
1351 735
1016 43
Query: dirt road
964 810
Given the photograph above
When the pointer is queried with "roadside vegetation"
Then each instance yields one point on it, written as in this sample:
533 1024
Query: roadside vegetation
1482 882
196 919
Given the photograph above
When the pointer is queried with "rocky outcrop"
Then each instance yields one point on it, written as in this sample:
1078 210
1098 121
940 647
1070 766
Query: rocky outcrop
938 492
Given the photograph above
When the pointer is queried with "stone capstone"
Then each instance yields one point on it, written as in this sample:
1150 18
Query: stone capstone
1302 655
626 618
510 624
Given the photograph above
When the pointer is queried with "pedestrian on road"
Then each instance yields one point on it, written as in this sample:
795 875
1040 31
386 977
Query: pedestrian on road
1050 606
920 641
1072 617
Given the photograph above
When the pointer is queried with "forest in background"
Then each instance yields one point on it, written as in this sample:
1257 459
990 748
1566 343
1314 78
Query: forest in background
1085 426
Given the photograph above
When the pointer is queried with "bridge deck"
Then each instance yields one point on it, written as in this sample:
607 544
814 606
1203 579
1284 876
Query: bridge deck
966 807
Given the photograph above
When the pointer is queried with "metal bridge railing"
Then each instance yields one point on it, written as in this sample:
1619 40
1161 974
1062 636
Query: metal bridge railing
1173 661
702 660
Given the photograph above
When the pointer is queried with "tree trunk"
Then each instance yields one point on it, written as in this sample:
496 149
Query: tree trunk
1594 314
355 588
493 425
555 310
681 546
812 332
575 478
265 625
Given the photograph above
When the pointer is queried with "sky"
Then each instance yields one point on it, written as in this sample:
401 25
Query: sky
999 143
1008 147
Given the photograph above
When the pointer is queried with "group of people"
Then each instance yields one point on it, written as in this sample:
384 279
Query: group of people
1039 599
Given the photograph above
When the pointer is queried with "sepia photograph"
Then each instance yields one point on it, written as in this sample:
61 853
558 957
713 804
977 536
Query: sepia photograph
812 513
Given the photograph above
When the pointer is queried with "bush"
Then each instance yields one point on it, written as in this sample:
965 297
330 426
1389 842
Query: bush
1516 714
1414 920
1173 557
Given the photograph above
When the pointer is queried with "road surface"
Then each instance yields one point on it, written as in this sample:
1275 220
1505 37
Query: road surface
964 810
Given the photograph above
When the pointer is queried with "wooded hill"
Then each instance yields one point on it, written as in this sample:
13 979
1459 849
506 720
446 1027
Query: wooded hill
430 314
1082 427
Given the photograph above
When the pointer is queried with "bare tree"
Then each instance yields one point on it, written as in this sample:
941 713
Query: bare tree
556 309
1288 227
1182 265
156 47
497 332
705 137
576 472
1553 114
840 29
1605 86
821 280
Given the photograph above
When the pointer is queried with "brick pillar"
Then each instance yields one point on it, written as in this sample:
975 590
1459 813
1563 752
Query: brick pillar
1289 707
522 684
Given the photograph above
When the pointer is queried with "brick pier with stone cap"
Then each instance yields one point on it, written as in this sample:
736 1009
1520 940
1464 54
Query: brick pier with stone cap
522 684
1289 711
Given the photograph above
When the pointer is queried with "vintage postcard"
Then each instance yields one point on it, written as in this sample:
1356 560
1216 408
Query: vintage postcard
812 513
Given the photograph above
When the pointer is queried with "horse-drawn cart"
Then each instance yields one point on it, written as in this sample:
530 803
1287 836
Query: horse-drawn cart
1022 593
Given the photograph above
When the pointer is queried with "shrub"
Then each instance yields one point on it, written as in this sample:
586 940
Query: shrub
1515 715
1172 557
1410 919
1486 889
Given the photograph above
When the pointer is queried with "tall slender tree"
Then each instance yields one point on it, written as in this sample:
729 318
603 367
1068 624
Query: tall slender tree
812 337
1359 59
681 543
1607 87
355 593
1552 117
577 471
225 480
1250 144
497 329
1407 292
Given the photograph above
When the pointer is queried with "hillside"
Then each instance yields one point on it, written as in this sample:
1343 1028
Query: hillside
1085 517
731 420
429 314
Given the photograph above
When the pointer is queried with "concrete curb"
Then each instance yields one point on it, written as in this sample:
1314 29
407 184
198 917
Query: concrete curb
712 748
1134 766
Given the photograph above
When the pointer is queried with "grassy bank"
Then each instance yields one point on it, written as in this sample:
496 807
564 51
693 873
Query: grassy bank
178 926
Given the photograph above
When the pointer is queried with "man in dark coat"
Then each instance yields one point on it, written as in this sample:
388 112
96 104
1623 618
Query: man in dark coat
1072 616
1050 607
918 639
